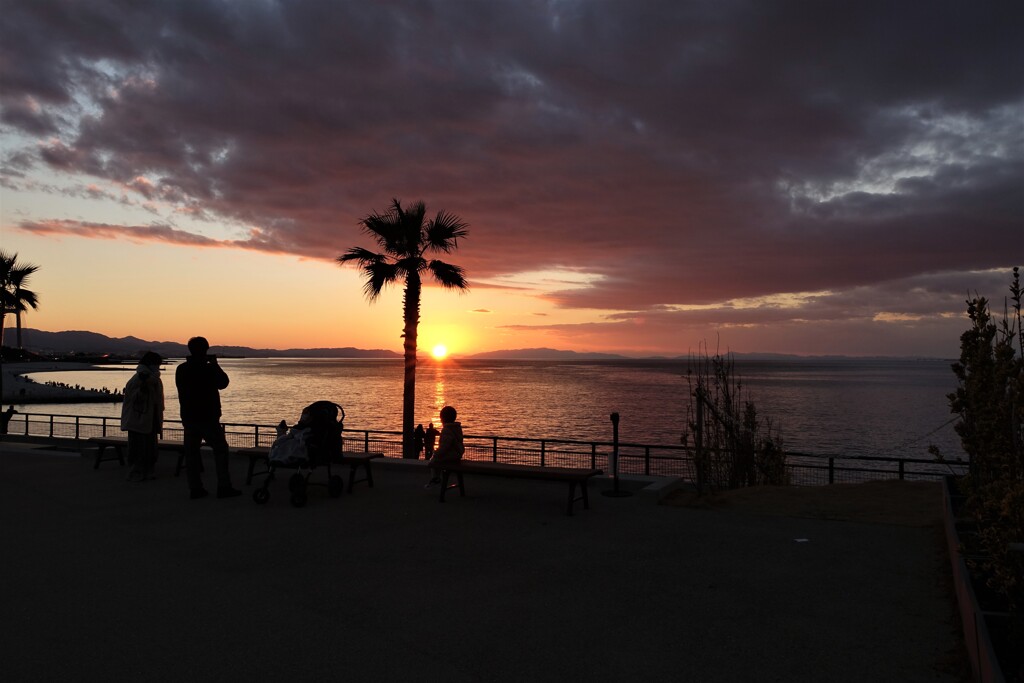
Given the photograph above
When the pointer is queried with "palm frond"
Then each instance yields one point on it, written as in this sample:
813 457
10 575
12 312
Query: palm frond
412 227
26 298
411 264
379 275
385 229
444 231
14 296
448 275
361 256
398 230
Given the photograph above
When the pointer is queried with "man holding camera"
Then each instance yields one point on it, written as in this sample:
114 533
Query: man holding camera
199 380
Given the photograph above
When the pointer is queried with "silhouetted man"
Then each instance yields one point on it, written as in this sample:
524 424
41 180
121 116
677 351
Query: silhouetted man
199 380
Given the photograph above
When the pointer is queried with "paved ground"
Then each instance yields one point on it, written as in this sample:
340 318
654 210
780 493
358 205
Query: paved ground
105 580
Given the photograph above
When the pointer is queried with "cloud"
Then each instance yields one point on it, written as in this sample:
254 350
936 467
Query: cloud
680 154
149 233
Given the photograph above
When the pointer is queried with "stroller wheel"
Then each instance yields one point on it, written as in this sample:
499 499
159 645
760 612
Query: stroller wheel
296 482
335 485
299 499
261 496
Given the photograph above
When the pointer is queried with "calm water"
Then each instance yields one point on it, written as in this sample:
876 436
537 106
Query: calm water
831 408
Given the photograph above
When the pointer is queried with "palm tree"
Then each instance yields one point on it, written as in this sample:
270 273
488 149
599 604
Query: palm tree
14 297
405 240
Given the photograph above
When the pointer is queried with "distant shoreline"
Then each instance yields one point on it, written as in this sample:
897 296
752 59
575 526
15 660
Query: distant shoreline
19 390
83 342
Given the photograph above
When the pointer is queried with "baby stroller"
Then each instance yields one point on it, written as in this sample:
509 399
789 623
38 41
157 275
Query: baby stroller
312 442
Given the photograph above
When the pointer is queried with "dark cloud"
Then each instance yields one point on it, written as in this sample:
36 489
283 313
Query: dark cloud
681 153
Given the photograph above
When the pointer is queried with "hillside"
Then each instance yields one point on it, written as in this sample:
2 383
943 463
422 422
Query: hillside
92 343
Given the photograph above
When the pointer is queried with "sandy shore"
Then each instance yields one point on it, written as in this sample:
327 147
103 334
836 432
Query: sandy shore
19 390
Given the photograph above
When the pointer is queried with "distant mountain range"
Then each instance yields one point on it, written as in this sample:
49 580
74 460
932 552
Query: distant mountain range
545 354
92 343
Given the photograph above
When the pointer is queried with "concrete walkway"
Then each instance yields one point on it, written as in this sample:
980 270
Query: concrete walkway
106 580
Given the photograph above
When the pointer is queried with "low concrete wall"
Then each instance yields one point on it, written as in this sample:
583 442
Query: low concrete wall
984 664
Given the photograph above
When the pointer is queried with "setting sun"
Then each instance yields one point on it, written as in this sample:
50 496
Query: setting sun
439 352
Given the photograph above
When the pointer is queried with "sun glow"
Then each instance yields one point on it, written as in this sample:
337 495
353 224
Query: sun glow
439 352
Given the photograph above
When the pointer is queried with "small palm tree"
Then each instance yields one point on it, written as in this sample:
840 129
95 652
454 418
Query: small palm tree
14 296
405 239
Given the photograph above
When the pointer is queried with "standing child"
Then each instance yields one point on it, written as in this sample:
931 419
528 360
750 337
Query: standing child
450 447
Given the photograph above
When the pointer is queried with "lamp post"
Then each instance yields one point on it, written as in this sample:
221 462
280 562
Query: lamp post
615 492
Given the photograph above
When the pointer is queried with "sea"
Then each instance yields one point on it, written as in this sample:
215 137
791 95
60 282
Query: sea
844 407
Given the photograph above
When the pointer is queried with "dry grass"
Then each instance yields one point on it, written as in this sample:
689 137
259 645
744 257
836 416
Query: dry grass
905 503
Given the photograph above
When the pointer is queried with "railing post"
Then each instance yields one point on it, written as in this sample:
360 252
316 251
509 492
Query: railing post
76 427
593 456
366 441
494 451
831 470
698 441
647 460
51 426
901 470
256 436
543 446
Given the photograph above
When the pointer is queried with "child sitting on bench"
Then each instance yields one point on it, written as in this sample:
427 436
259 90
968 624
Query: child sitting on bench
450 446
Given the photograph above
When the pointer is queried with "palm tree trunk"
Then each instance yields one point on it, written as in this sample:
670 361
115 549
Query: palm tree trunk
411 312
3 321
17 318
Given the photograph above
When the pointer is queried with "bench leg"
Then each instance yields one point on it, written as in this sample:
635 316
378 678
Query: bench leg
445 474
101 449
572 496
460 485
352 481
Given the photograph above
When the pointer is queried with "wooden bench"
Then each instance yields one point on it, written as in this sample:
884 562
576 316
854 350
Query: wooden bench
119 444
354 459
574 476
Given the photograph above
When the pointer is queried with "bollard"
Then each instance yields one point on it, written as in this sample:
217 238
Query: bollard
615 492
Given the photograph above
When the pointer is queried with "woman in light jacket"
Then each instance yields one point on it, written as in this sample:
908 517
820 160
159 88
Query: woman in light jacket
142 416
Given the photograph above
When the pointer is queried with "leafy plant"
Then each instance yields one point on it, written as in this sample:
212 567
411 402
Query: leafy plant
989 396
733 445
15 297
989 400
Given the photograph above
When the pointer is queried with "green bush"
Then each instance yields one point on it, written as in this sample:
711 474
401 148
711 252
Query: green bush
989 400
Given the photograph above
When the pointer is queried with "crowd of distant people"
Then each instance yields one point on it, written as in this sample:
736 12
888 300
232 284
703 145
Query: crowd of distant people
113 393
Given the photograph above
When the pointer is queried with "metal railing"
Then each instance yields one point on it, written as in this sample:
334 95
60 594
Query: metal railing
803 469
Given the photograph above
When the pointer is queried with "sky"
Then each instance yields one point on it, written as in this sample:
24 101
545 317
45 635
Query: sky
646 178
